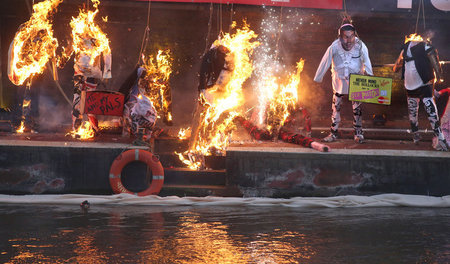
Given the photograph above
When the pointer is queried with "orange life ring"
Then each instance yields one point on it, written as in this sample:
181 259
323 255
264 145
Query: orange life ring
133 155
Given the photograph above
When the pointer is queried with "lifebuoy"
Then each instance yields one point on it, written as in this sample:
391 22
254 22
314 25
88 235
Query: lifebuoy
134 155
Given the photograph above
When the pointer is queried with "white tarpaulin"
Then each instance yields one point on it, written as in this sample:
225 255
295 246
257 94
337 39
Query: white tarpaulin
382 200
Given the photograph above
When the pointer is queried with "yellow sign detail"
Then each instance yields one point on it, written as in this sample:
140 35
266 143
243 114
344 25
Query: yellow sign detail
370 89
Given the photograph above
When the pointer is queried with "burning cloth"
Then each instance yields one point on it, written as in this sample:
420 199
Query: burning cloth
87 75
139 111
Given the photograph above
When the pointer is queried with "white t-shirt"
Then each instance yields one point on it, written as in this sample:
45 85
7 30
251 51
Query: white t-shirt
412 77
343 63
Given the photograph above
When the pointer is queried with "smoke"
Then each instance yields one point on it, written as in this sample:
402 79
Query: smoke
54 115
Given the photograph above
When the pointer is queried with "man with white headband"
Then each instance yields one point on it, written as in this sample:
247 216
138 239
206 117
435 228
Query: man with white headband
346 55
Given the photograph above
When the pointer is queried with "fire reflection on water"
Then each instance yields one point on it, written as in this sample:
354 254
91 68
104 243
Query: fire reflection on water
191 241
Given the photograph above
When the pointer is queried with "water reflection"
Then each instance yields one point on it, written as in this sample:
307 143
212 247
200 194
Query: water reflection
143 235
281 247
202 242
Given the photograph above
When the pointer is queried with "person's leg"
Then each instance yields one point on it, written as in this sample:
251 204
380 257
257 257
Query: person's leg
433 117
413 110
335 117
357 121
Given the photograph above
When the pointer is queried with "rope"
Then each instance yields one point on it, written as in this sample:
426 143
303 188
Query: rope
211 9
146 35
231 18
220 17
421 6
345 8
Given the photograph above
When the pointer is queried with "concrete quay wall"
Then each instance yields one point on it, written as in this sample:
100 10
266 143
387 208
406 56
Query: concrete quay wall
33 167
56 167
305 172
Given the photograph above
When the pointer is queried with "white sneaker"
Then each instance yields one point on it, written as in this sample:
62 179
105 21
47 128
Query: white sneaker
330 138
359 138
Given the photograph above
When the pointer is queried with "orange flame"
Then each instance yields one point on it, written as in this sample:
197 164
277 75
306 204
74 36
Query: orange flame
216 124
157 89
33 44
21 128
88 39
413 37
85 131
283 98
184 133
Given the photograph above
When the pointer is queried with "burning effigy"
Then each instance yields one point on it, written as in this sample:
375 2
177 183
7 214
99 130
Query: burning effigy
32 48
420 68
155 83
222 101
148 96
89 45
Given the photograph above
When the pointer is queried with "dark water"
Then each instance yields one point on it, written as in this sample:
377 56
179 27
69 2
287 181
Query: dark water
145 234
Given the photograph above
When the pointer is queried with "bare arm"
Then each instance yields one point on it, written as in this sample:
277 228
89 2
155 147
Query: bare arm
398 63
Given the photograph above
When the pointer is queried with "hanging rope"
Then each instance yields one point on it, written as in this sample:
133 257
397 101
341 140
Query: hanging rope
345 8
231 19
146 35
220 18
211 9
421 6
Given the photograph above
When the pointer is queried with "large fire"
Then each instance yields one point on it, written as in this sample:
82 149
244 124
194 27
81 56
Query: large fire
216 120
282 98
157 89
85 29
33 44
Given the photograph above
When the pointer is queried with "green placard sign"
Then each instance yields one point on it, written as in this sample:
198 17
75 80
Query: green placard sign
370 89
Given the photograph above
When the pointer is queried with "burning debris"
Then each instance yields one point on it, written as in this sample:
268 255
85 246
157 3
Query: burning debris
282 99
83 132
155 83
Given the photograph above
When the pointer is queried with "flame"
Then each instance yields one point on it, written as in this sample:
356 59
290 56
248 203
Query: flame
33 44
87 37
21 128
192 163
85 131
157 89
413 37
184 133
283 98
216 120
